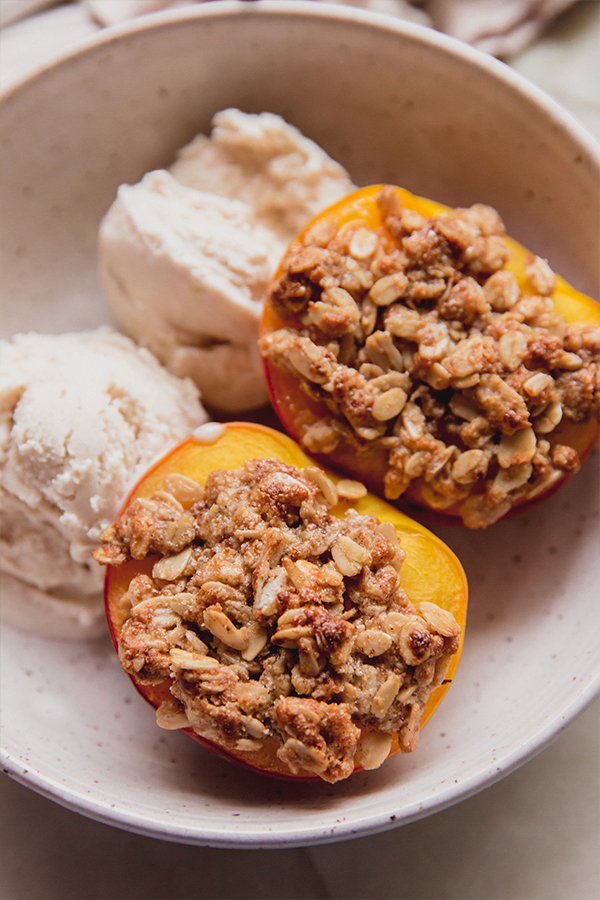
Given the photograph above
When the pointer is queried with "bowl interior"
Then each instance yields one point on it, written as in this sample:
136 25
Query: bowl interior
392 102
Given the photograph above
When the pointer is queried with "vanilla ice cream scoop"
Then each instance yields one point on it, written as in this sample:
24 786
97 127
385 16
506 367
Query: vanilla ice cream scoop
186 256
283 176
185 272
82 416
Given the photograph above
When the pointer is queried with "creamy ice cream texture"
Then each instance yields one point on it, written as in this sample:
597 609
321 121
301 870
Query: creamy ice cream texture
82 416
283 176
186 255
185 258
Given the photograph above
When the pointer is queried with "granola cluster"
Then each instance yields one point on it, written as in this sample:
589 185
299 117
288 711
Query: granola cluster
421 344
277 620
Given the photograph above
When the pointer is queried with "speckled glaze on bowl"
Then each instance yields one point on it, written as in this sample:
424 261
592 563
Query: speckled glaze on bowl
393 102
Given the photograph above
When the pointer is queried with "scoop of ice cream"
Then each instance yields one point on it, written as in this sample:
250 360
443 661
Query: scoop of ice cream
185 261
82 416
185 273
283 176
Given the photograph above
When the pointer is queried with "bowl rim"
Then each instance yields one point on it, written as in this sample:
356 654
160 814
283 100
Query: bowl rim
462 789
322 10
126 818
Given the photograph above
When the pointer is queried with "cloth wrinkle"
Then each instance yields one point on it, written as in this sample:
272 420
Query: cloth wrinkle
501 28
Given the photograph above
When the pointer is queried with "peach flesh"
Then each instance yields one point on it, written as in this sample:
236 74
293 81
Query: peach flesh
228 446
290 402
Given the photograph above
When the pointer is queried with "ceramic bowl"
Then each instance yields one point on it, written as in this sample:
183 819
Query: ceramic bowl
392 102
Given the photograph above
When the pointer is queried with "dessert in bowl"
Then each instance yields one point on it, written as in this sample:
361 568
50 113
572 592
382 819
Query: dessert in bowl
429 354
121 107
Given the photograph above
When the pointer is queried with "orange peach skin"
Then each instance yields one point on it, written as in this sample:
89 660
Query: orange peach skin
430 571
290 402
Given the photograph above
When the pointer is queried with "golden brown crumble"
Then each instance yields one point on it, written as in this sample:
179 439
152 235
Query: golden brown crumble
425 347
276 619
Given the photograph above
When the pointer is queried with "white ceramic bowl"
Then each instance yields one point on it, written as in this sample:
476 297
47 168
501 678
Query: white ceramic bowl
392 102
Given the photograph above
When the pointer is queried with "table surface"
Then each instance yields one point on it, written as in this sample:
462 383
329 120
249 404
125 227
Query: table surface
535 834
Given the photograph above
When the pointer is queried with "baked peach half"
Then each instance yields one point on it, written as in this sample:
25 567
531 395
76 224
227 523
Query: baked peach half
283 617
424 352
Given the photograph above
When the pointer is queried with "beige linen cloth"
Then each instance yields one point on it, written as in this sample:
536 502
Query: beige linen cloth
500 27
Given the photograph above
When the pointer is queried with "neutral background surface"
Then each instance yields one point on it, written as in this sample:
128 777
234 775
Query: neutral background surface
533 836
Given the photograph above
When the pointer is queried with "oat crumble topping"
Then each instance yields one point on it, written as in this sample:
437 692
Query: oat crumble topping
276 619
422 345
